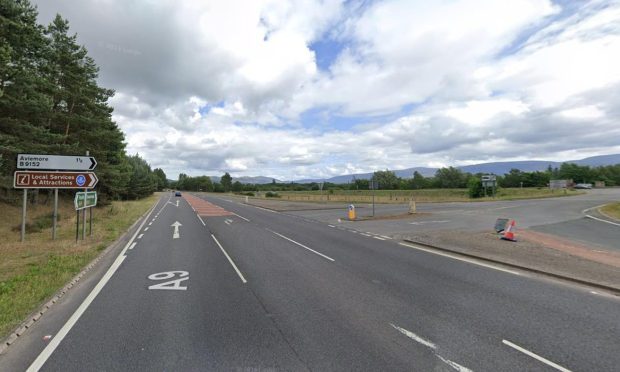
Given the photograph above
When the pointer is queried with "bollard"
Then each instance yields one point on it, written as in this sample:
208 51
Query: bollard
351 212
412 209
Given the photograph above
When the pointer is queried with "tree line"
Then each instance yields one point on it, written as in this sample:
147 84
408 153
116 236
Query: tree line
449 177
50 103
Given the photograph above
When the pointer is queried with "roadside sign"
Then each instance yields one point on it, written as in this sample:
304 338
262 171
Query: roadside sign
54 180
56 162
85 199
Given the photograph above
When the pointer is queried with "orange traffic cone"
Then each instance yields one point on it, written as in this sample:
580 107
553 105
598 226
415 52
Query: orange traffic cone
509 234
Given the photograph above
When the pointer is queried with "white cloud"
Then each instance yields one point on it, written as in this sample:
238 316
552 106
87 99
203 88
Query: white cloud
480 80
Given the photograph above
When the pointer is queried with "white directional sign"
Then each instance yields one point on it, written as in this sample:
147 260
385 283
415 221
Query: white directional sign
175 234
55 162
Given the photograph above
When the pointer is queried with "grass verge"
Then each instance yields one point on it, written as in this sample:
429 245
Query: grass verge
424 196
32 271
612 210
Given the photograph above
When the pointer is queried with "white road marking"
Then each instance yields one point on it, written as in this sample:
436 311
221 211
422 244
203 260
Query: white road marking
265 209
589 209
535 356
150 223
454 365
146 229
229 259
414 337
425 222
365 234
602 220
203 223
174 285
140 236
243 218
385 237
331 225
376 237
353 231
132 245
62 333
455 257
175 233
301 245
432 346
228 221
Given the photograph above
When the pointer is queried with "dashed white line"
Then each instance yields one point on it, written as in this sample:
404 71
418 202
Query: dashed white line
132 245
301 245
331 225
455 257
229 259
432 346
379 238
385 237
414 337
243 218
365 234
150 223
535 356
140 236
203 223
146 229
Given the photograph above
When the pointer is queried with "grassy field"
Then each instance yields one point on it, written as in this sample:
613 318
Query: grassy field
612 210
32 271
427 195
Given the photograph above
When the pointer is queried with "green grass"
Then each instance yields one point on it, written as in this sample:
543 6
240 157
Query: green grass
612 210
426 195
31 272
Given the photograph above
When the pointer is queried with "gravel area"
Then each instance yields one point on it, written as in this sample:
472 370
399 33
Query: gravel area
545 253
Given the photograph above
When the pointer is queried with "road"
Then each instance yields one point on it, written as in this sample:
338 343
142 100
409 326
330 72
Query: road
563 216
216 285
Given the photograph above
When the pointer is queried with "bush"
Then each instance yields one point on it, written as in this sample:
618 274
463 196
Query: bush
475 188
270 194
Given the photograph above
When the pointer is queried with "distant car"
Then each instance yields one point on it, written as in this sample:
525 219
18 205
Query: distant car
177 193
585 186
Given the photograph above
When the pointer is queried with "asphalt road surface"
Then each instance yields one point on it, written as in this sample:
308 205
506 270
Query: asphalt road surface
246 289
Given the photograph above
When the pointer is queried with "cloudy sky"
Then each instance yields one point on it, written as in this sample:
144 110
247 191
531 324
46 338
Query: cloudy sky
309 88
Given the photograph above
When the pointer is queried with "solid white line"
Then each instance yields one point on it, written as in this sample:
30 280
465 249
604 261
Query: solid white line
140 236
455 257
596 207
243 218
537 357
376 237
602 220
200 218
51 347
414 337
265 209
301 245
132 245
229 259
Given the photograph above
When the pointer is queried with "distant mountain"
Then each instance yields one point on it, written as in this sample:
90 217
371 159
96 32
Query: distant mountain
499 168
258 180
596 161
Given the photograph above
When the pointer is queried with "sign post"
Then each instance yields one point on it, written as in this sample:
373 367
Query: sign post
64 172
489 180
55 162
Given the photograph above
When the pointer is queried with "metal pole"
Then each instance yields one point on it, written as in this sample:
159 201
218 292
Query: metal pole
55 214
373 201
84 213
24 201
77 225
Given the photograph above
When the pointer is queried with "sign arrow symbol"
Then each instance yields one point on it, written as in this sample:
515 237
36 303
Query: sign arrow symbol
93 163
175 234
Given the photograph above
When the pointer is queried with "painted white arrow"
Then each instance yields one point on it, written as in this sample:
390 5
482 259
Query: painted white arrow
175 234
